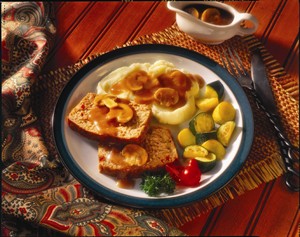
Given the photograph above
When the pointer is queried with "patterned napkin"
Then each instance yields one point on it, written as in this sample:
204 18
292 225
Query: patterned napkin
39 197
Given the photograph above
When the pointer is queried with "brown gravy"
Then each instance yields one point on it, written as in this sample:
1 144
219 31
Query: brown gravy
116 157
225 19
103 118
125 183
97 116
145 94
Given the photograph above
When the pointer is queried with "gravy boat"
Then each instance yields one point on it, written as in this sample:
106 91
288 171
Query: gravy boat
207 32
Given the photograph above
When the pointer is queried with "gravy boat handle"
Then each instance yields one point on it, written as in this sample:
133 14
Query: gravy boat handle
247 17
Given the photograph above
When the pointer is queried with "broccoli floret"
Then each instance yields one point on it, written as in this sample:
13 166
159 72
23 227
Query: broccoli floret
155 184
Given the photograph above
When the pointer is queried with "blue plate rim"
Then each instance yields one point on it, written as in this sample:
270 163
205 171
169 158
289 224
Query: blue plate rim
226 177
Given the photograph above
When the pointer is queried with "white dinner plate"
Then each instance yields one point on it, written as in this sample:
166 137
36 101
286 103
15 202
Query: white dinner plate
79 154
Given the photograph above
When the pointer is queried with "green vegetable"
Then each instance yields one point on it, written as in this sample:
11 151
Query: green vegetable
210 92
194 151
207 104
224 112
202 122
155 184
207 163
225 131
218 87
186 137
203 137
215 147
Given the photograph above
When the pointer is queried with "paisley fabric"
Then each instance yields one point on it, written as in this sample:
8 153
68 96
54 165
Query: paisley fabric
40 197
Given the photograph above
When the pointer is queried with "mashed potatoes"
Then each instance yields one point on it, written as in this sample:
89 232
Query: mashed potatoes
169 90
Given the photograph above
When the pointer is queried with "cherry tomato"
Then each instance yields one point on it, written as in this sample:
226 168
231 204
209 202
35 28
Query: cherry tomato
174 169
189 175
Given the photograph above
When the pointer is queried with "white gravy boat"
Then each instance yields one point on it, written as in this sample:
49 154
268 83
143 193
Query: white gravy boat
207 32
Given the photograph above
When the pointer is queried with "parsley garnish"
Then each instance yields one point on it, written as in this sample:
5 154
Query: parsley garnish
155 184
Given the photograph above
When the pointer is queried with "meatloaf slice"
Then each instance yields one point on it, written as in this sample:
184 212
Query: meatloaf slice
133 131
159 146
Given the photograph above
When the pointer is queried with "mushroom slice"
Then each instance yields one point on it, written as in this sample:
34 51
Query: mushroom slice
193 11
122 113
211 15
136 80
166 96
134 155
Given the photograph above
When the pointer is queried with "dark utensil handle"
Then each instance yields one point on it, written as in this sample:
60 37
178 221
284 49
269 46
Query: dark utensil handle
289 152
291 160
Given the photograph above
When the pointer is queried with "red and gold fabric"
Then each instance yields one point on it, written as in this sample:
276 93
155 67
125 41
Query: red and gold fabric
39 197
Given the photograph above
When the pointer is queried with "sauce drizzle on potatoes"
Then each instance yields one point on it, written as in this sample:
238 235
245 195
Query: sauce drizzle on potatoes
169 90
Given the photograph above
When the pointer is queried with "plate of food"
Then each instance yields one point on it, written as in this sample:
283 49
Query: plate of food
153 126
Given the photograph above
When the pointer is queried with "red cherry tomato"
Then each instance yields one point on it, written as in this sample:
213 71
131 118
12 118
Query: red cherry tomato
174 169
189 175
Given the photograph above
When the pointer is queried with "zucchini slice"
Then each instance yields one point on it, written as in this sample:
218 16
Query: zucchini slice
202 122
223 112
207 104
218 87
203 137
210 92
225 131
207 163
194 151
186 138
215 147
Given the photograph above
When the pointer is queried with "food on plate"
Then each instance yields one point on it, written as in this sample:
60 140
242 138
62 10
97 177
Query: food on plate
207 163
131 145
214 92
225 131
202 123
207 104
157 184
206 159
170 91
224 112
188 175
110 119
157 150
193 151
203 137
185 137
209 132
210 91
214 89
215 147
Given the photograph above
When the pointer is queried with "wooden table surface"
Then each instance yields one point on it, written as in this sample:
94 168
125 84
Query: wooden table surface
86 28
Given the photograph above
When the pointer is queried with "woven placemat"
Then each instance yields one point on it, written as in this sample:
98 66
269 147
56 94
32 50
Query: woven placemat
264 162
